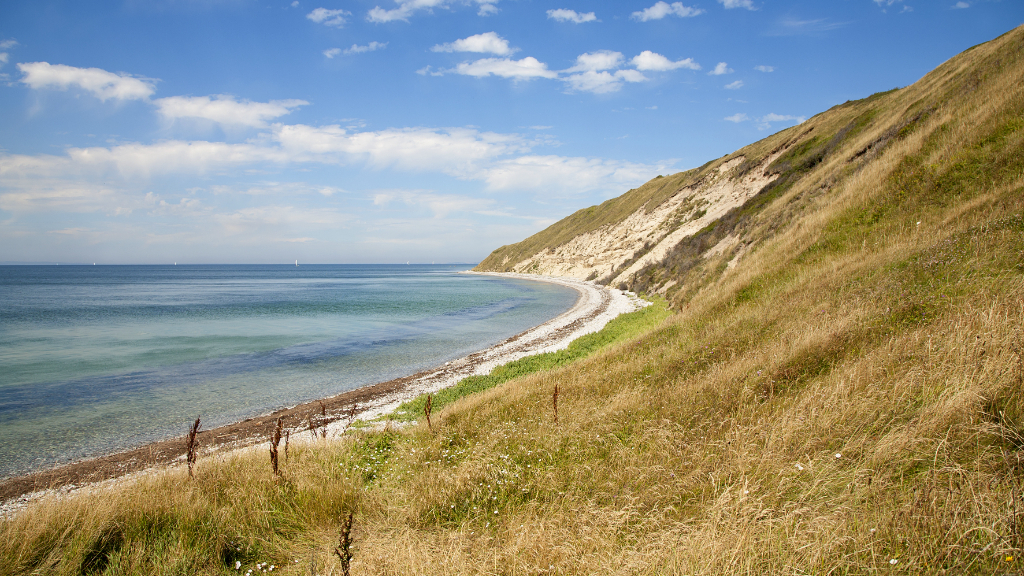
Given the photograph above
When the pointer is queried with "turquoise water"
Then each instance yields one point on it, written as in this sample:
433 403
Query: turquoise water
97 359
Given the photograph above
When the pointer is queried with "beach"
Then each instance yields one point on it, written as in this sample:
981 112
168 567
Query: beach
594 307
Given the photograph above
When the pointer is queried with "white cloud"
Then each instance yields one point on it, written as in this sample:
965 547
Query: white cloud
454 151
100 83
765 122
225 109
3 58
748 4
568 174
356 49
524 69
565 15
648 60
488 42
738 117
794 27
961 5
602 82
10 43
407 8
764 68
734 85
335 18
440 205
887 3
600 60
662 9
332 52
283 220
720 69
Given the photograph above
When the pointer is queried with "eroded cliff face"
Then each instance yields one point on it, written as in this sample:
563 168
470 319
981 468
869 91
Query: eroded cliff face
614 252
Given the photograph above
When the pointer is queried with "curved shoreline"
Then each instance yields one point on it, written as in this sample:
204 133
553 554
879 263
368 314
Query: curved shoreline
595 307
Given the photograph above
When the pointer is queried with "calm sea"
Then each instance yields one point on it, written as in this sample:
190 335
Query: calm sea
97 359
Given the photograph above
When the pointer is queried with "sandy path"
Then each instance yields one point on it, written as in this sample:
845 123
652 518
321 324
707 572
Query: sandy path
594 308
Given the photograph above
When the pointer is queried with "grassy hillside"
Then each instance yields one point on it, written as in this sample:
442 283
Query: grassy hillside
847 399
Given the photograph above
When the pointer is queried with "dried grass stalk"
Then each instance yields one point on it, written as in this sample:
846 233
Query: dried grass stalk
554 402
274 441
191 447
426 410
344 549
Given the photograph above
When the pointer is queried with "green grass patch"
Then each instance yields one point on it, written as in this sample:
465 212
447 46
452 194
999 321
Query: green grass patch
620 329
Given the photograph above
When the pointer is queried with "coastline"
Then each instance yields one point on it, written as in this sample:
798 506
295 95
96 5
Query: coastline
594 308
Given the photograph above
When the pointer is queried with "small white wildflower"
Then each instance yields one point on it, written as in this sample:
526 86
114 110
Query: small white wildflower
838 455
893 561
799 466
872 530
238 565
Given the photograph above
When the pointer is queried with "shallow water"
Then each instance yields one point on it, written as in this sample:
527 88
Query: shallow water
97 359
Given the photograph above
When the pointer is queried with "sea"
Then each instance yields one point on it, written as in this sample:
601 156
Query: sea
100 359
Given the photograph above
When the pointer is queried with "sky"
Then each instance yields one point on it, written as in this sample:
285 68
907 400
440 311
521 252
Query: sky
390 131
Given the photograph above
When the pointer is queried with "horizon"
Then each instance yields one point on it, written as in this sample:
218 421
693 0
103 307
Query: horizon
377 131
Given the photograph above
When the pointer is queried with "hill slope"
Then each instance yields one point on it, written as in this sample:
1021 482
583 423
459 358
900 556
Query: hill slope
841 390
662 236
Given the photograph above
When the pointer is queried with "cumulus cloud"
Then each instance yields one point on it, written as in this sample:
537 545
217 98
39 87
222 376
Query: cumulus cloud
720 69
765 122
372 46
961 5
748 4
568 174
9 43
335 18
653 61
599 60
764 68
525 69
662 9
332 52
3 58
591 73
565 15
734 85
225 109
407 8
100 83
454 151
488 42
602 82
737 118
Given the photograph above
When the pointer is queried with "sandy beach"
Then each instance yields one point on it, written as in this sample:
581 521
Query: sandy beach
594 308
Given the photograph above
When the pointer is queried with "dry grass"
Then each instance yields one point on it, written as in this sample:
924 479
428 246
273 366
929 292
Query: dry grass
847 400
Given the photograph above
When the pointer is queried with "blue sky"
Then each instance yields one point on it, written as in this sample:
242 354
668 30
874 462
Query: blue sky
351 131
